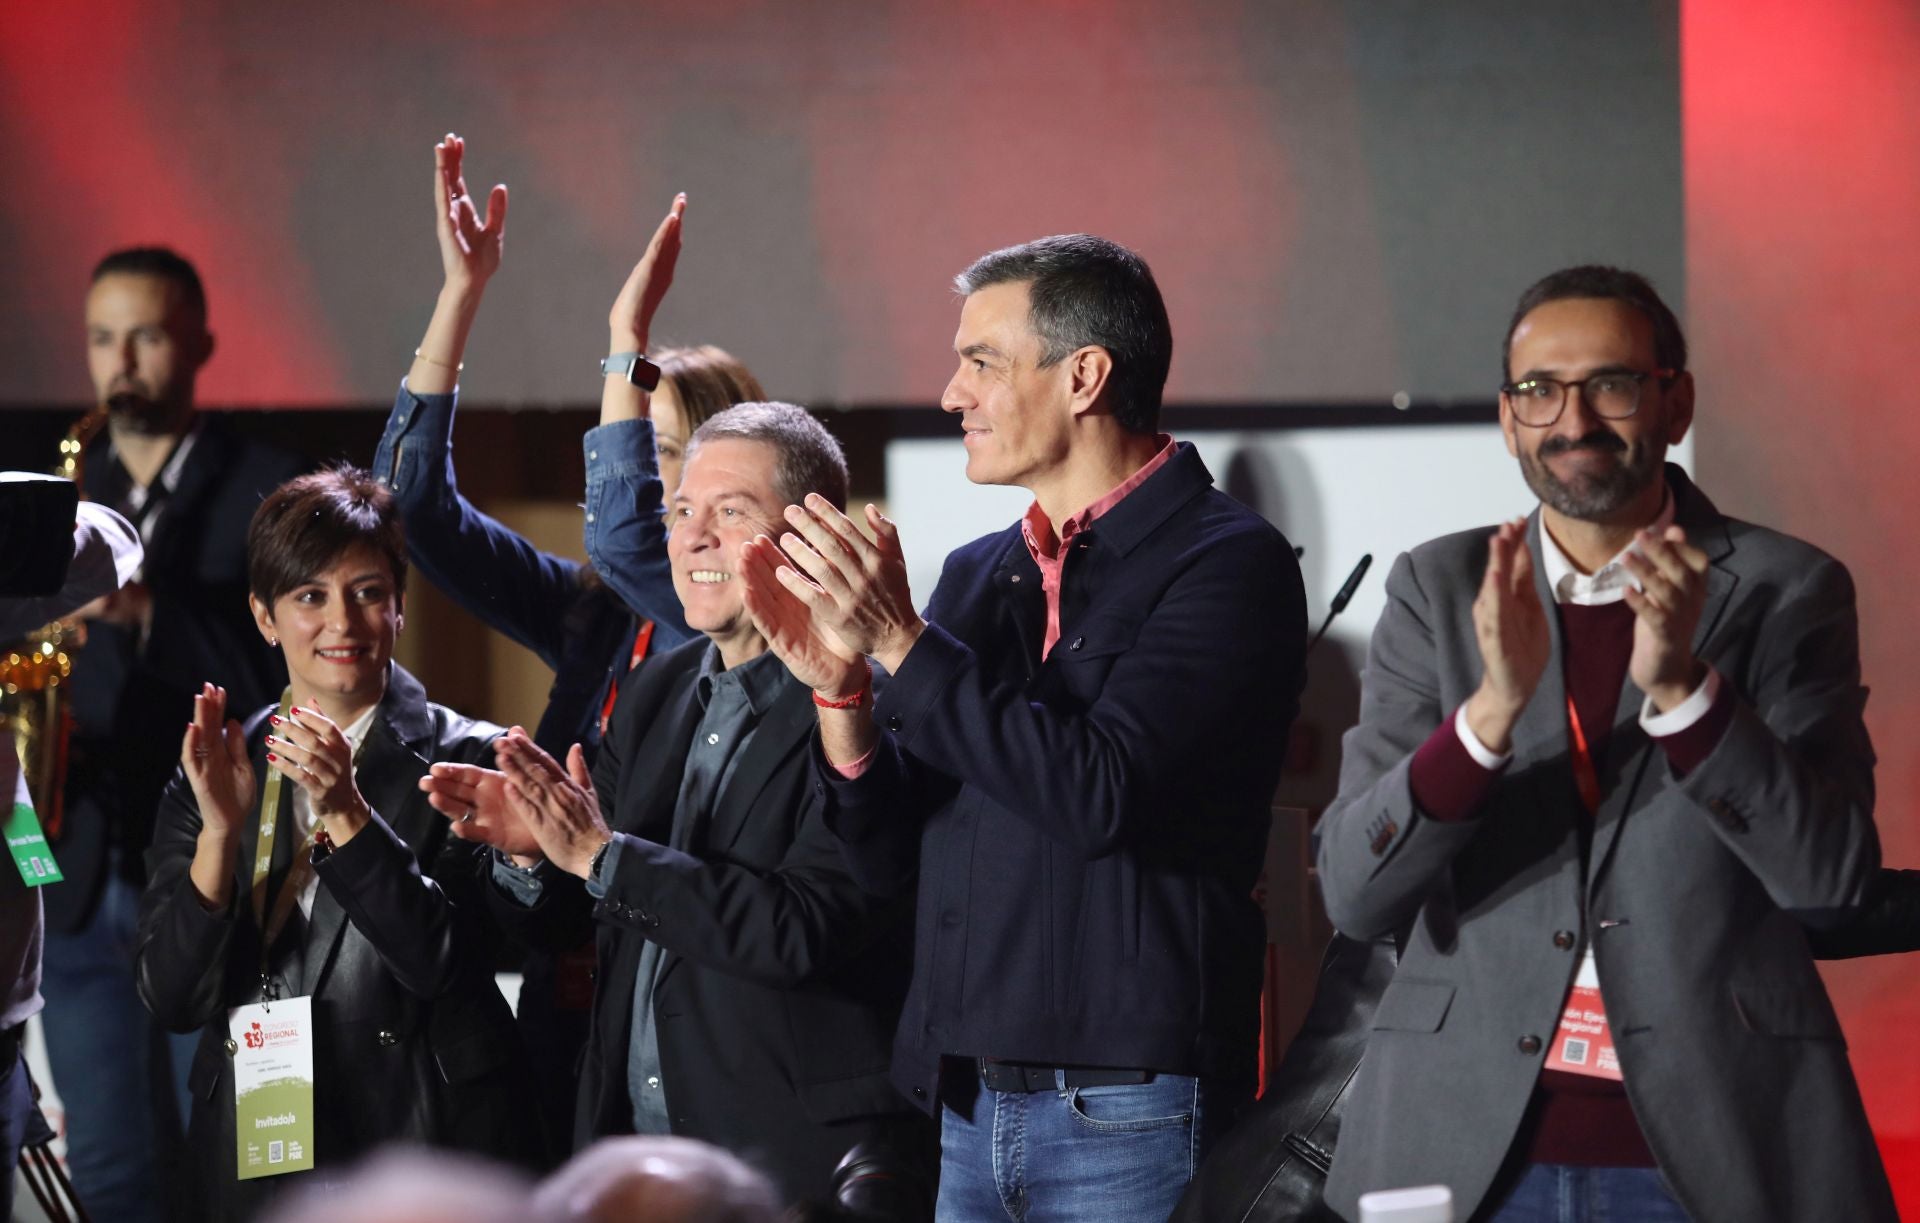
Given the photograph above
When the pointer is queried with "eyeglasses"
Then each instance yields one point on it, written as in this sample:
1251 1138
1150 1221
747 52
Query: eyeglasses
1615 395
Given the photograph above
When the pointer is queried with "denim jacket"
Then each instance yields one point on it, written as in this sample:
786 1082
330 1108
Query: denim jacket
583 631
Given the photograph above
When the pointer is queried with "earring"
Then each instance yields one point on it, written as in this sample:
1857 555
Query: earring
273 641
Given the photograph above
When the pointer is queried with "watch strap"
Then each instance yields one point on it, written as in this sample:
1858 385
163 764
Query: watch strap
634 367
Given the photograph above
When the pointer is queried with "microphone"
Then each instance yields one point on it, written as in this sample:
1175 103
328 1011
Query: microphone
1343 598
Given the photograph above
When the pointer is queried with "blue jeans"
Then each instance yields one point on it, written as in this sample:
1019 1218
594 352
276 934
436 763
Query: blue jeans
99 1047
1105 1154
1559 1193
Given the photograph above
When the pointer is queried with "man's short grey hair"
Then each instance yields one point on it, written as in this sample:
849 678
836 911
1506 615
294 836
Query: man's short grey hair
811 460
1086 291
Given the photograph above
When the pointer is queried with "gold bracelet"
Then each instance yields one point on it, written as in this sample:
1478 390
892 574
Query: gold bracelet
420 356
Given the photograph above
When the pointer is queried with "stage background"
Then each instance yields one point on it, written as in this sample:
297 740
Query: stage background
1339 198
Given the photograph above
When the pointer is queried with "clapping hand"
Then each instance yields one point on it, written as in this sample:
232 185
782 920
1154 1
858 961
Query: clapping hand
475 799
213 755
817 658
558 806
855 588
308 749
1510 625
1673 592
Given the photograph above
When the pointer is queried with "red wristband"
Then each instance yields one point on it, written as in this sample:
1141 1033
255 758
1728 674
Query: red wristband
852 701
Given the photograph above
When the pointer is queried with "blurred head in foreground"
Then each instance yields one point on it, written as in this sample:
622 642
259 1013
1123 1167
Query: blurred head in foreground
660 1179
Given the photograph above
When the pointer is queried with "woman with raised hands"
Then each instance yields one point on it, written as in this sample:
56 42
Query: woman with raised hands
299 880
589 623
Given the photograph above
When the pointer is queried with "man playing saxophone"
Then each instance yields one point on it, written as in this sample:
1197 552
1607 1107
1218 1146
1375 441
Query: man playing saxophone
189 484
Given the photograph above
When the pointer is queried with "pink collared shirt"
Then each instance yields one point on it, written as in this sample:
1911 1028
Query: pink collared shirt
1049 551
1050 554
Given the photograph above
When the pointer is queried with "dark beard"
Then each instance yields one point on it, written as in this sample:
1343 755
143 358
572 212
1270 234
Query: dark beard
1592 498
134 413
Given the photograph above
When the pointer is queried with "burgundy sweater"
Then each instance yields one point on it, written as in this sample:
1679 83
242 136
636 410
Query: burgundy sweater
1573 1118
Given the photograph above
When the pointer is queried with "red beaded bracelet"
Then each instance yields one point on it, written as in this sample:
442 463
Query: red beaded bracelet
857 699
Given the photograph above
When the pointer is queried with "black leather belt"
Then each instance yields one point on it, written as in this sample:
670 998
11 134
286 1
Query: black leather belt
1023 1076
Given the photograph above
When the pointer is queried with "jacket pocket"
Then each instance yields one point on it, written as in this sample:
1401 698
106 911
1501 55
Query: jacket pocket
1101 635
1784 1010
1412 1005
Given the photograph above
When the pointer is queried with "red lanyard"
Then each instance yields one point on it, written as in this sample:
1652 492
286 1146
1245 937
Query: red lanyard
641 640
1585 776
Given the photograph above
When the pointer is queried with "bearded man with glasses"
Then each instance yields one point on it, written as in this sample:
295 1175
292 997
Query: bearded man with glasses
1610 767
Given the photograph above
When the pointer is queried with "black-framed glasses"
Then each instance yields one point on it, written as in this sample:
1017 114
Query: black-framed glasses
1613 395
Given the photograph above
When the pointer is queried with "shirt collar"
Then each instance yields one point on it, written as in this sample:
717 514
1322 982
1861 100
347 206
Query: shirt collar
357 733
1608 583
169 477
1038 531
759 678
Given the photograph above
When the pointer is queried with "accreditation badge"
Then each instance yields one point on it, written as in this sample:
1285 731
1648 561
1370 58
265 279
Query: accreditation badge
1584 1042
272 1048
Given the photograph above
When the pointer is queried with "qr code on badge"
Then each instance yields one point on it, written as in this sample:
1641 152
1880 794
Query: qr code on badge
277 1151
1574 1052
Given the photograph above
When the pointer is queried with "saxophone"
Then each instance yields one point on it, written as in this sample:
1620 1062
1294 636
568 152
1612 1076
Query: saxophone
34 670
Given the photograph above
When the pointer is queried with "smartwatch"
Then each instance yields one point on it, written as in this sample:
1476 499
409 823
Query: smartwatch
634 367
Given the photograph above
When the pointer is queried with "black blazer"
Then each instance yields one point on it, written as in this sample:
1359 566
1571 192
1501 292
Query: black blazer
782 980
122 689
413 1040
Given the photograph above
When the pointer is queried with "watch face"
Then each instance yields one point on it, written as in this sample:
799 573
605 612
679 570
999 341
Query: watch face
635 368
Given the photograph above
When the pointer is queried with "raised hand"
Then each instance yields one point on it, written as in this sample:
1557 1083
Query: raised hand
855 587
630 322
470 244
475 799
1510 626
309 750
817 658
1673 591
213 755
557 805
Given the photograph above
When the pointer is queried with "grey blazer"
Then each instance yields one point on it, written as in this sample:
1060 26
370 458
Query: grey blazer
1698 887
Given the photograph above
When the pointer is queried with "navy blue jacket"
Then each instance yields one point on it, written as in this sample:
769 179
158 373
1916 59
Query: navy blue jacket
1087 830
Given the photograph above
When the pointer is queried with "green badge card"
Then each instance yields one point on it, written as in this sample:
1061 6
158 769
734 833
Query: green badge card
272 1048
29 847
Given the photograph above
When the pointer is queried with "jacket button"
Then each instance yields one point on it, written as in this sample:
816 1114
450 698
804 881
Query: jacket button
387 1039
1014 578
1529 1044
1563 939
893 722
1077 643
919 1093
233 1046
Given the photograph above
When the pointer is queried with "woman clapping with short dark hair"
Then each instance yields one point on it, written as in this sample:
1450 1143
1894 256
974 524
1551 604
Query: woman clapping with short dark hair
298 870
